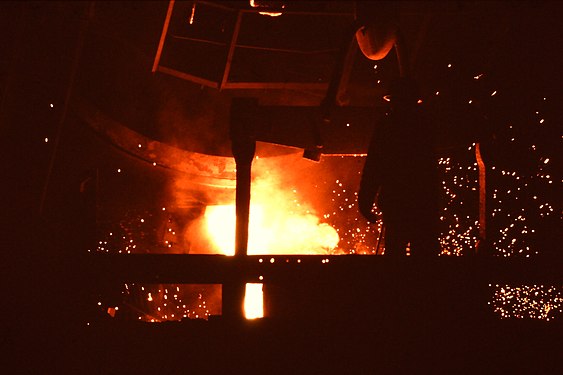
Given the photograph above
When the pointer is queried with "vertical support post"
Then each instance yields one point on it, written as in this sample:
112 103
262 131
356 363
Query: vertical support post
482 199
243 114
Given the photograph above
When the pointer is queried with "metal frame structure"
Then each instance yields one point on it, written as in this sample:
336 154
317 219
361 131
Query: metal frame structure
223 83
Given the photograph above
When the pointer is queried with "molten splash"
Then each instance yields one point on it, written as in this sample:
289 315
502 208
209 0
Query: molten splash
292 234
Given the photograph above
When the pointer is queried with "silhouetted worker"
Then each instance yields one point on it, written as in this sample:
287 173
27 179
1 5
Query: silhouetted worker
400 174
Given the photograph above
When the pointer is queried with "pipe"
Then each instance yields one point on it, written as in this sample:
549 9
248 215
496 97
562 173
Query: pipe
243 115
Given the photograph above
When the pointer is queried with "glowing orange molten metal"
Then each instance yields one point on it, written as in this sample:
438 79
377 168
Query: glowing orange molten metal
282 233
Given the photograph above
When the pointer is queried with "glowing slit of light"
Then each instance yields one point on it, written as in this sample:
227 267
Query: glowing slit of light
253 301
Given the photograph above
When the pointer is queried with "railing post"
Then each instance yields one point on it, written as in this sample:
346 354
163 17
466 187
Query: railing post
482 246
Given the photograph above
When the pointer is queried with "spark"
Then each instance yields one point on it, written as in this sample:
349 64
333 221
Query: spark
542 302
192 13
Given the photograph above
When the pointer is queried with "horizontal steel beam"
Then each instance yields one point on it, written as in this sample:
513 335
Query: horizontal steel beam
278 269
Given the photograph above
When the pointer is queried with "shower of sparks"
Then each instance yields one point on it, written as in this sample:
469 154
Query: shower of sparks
356 235
459 215
527 301
137 233
520 207
164 302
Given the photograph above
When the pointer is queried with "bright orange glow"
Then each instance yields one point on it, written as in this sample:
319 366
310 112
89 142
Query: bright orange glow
221 223
281 233
271 14
253 301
